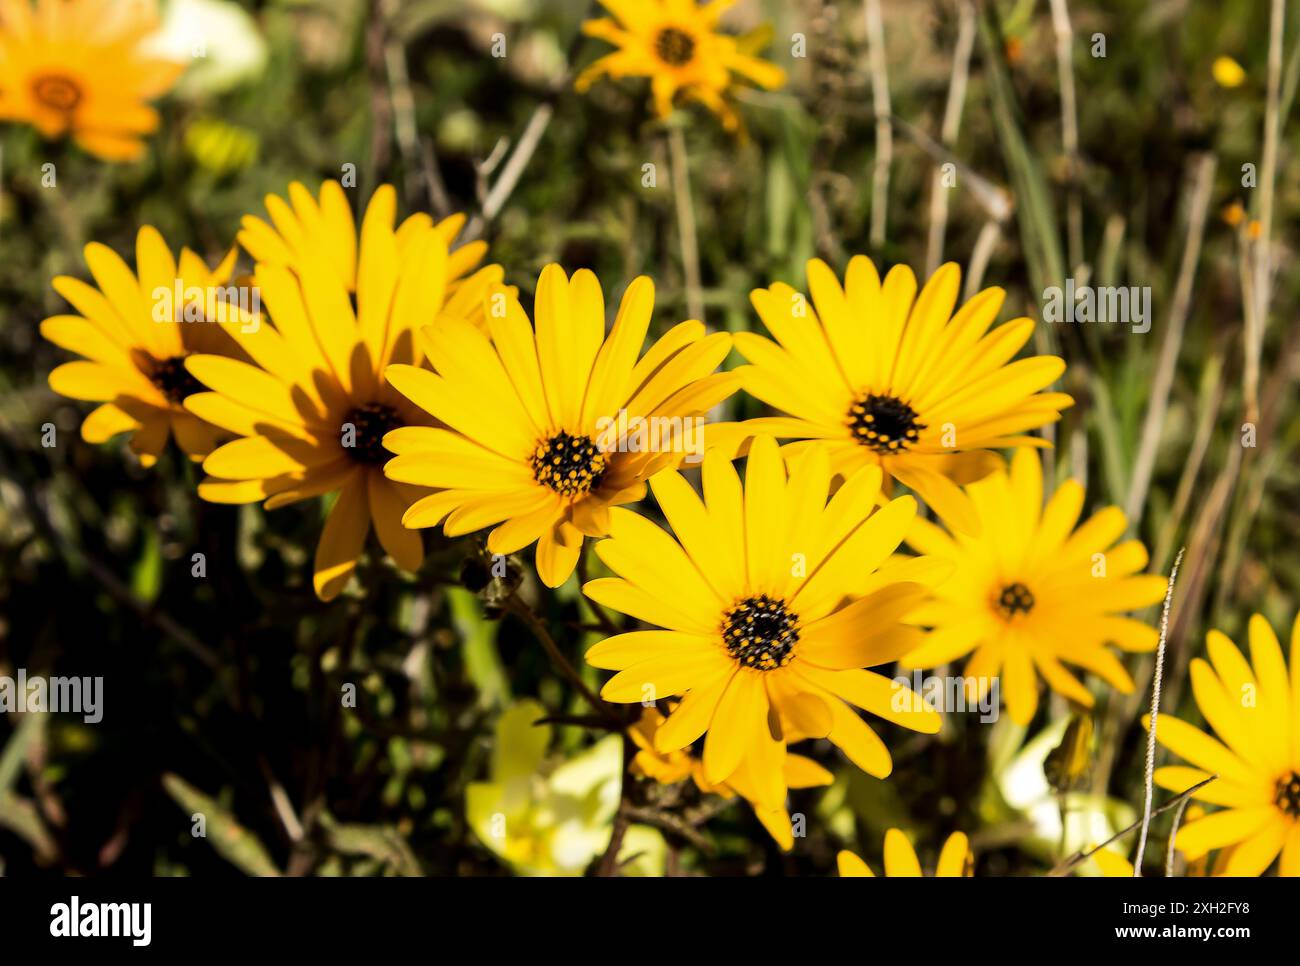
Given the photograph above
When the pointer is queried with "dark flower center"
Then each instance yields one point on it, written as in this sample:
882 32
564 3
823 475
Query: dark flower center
363 433
675 47
1015 599
57 92
761 633
1288 794
173 380
570 465
884 423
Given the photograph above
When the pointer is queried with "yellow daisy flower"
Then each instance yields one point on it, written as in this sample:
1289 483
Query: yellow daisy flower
671 767
773 600
677 45
1033 592
892 379
75 67
292 241
313 407
135 335
547 429
955 860
1254 709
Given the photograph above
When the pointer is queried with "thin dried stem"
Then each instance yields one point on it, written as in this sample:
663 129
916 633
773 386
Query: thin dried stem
1162 382
884 131
505 184
951 128
562 663
1155 714
399 92
988 239
681 177
1082 856
1069 129
1173 837
1263 281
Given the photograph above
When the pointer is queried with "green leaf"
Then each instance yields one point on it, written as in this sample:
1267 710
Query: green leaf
233 842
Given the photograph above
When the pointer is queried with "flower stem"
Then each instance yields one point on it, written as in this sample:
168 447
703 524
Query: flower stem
562 663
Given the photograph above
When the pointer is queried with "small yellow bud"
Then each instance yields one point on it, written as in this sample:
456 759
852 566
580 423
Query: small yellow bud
1227 72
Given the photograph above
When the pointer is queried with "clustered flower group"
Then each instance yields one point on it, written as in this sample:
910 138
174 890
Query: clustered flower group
389 367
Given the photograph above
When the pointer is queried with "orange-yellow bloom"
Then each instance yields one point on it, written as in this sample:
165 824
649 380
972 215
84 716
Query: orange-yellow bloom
136 335
677 44
76 68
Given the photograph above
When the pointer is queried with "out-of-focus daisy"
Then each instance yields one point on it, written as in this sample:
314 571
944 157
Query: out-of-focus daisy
1254 709
77 68
135 336
677 44
1032 593
773 600
955 860
532 441
887 378
314 405
680 764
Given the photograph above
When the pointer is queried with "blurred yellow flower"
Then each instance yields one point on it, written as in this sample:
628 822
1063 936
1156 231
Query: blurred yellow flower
1033 593
1254 708
677 45
546 818
136 336
677 765
314 405
77 68
545 428
891 378
955 860
776 597
1227 72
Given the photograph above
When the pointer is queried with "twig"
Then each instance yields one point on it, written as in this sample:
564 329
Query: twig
439 200
527 615
381 106
884 131
399 91
608 864
1082 856
668 822
685 221
280 799
1162 382
987 241
1069 129
579 721
1155 714
1173 837
604 622
527 144
951 127
511 173
1263 249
